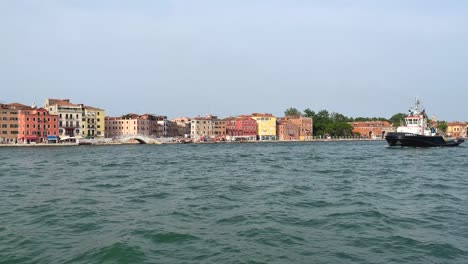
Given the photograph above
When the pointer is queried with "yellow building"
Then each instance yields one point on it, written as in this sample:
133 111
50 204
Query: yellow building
92 125
457 129
266 126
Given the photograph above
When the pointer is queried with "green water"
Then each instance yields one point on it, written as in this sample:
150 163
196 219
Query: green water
328 202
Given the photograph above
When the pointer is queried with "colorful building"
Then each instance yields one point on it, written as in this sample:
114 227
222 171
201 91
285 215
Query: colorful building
457 129
294 128
241 128
266 126
70 116
37 125
208 127
93 124
130 124
9 122
372 129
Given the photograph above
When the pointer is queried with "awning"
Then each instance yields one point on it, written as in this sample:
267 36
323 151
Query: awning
51 137
64 138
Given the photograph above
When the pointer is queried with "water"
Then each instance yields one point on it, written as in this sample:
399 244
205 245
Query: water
329 202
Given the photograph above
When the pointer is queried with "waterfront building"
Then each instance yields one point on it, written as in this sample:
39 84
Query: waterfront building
372 129
208 127
9 122
37 125
70 116
183 126
266 126
166 128
93 124
294 128
241 128
172 129
131 124
457 129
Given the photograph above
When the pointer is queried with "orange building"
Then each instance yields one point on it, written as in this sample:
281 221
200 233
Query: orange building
294 128
372 129
37 125
9 122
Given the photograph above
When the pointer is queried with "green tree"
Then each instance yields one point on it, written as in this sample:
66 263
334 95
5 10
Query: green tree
309 113
127 116
292 112
396 119
442 126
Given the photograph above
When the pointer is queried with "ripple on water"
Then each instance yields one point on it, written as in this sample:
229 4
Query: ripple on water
119 252
333 202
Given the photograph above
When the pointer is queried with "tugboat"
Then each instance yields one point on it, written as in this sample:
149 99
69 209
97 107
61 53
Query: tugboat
417 133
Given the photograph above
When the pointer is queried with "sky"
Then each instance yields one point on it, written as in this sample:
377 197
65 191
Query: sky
188 58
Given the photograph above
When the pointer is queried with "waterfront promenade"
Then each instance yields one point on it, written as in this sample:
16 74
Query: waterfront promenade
176 141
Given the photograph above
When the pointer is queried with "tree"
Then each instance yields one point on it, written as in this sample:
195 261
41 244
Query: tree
396 119
127 116
292 112
309 113
442 126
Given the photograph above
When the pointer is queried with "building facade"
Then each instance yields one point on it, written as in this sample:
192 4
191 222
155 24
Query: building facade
131 124
294 128
93 125
208 127
372 129
457 129
37 125
70 116
266 126
126 126
241 128
9 122
183 126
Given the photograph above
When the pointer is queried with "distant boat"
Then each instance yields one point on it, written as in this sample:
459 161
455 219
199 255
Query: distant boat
417 133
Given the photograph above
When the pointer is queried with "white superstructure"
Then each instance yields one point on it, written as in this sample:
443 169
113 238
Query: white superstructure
416 122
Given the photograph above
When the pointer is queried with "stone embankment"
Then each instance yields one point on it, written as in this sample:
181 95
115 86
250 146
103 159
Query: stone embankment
166 141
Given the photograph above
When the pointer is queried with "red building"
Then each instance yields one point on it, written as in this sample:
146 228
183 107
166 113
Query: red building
37 125
241 128
372 129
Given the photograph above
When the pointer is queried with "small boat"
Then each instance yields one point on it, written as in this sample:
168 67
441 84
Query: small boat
417 133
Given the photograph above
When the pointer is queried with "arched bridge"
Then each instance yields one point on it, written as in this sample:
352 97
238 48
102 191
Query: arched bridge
142 139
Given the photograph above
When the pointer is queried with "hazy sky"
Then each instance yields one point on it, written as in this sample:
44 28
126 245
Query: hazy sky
188 58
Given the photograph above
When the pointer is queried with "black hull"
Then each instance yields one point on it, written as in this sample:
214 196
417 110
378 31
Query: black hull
413 140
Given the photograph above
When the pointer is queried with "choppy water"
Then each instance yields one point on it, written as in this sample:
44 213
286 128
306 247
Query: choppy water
331 202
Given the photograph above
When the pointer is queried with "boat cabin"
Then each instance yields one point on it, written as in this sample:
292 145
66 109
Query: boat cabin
416 123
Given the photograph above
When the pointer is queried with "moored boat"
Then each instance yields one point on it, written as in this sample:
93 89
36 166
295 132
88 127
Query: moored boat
417 133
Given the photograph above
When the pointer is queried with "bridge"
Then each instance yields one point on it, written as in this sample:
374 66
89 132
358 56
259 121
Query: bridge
142 139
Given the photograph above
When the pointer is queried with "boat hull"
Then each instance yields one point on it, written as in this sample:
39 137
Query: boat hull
414 140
